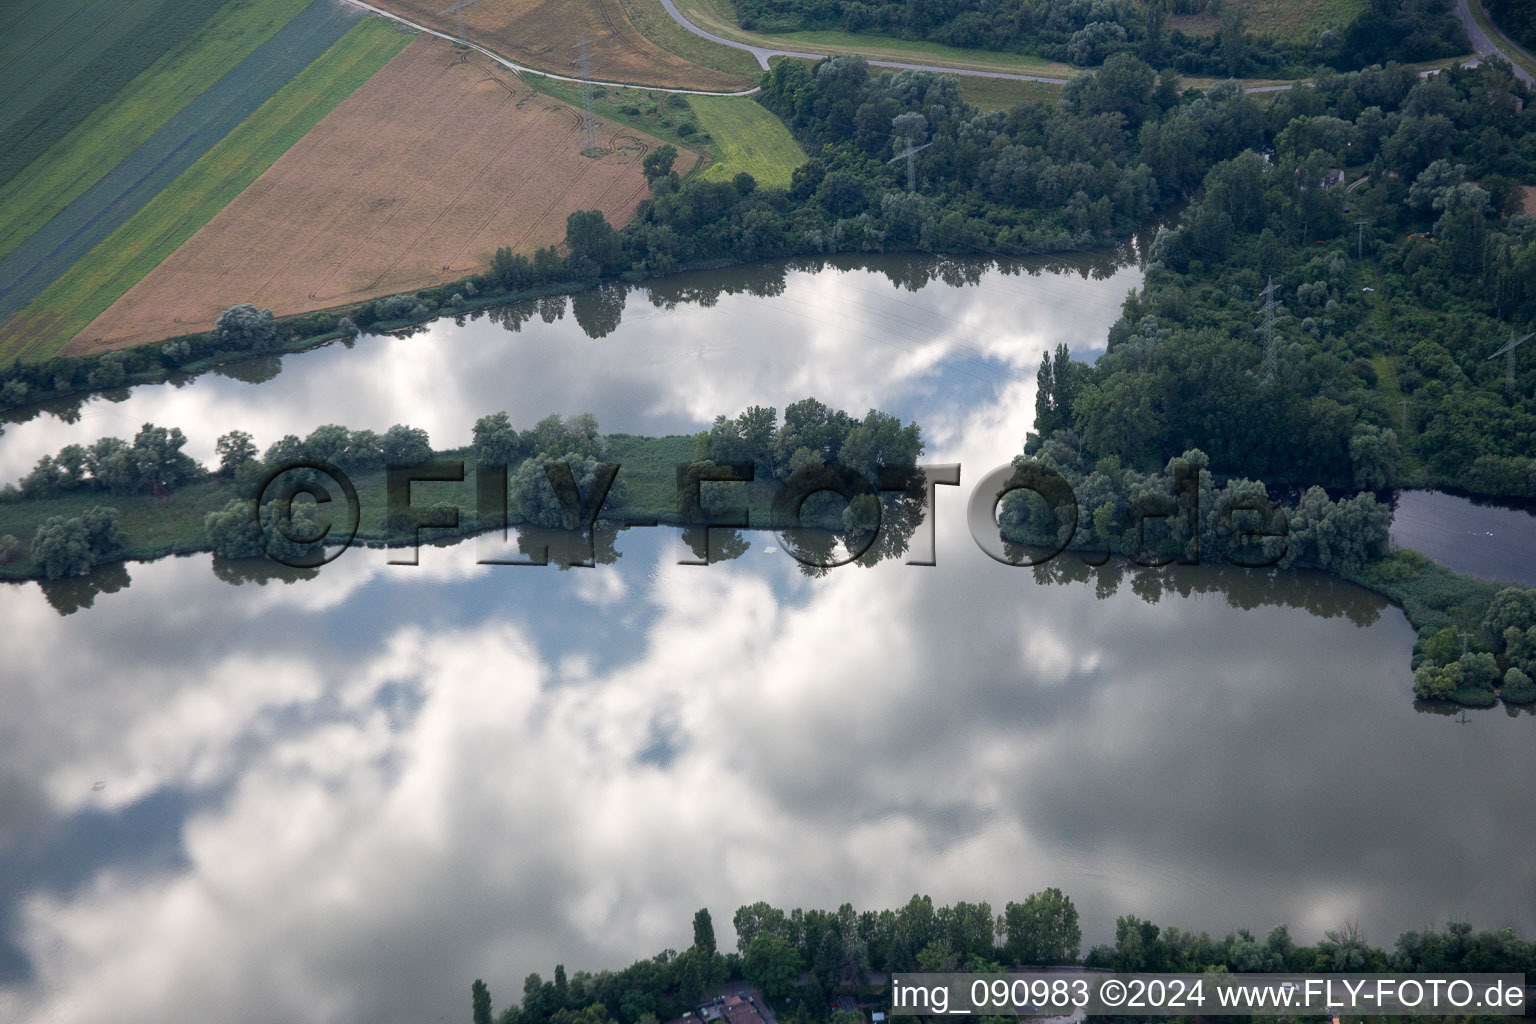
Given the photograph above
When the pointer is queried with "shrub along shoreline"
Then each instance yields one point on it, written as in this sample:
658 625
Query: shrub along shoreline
117 501
161 502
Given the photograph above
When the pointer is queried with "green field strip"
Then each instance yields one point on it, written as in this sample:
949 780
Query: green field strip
61 61
126 121
137 179
52 44
155 231
747 137
896 48
28 25
1004 93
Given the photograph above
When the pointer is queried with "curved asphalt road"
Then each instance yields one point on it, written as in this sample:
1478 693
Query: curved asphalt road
763 53
1481 43
760 53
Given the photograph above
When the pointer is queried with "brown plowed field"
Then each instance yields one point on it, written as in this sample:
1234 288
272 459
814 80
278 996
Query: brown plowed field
413 180
543 34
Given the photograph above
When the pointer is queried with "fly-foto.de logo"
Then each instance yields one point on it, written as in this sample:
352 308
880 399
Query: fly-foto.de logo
307 512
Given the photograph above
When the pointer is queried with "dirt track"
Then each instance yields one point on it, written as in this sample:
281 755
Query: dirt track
543 34
414 180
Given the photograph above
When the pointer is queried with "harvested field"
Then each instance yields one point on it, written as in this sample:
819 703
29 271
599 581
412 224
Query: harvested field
414 179
543 34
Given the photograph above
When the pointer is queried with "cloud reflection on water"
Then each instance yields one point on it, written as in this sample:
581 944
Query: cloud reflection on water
382 782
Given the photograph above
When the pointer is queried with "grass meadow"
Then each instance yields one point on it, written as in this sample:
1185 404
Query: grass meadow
747 137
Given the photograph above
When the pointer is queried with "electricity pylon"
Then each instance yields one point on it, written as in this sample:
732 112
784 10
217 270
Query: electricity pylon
458 9
588 118
1508 352
1271 356
909 155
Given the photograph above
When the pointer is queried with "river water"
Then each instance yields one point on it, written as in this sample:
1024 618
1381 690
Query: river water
343 795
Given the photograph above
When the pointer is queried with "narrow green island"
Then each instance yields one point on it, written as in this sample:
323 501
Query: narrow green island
811 966
842 489
1328 313
118 500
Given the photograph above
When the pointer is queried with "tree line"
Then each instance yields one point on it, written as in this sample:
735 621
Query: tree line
799 959
813 449
1498 660
1088 32
1181 514
1372 368
1516 19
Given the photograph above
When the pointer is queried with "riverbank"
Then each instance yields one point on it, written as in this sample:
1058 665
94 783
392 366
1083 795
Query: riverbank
1432 597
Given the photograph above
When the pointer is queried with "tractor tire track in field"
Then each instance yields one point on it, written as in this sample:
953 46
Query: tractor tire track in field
426 132
56 74
143 174
263 185
486 165
465 143
394 189
379 170
459 197
21 16
42 41
490 218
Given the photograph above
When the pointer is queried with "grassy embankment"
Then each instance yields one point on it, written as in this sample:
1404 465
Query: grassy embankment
667 116
991 93
1508 46
657 26
1003 93
1287 19
113 130
718 17
152 234
746 136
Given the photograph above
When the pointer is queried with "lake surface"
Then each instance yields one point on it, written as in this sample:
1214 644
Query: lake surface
344 795
1472 536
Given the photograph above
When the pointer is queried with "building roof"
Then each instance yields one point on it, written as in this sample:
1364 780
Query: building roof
742 1011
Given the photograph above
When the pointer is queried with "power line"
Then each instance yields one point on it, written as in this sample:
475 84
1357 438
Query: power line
1508 352
909 154
458 9
1271 356
591 147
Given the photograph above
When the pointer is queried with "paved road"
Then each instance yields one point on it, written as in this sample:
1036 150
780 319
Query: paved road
763 53
759 53
1486 46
